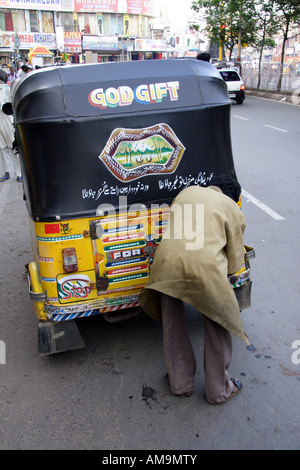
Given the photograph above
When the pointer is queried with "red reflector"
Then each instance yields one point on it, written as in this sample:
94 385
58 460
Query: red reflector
70 260
52 228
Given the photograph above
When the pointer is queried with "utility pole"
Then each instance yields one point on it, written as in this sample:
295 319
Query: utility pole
222 30
16 51
221 40
238 58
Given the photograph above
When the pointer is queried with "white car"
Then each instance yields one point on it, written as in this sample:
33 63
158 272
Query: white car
235 84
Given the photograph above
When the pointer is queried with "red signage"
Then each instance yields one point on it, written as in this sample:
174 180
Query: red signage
132 7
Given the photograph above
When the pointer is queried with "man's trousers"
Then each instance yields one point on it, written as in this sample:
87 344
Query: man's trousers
179 355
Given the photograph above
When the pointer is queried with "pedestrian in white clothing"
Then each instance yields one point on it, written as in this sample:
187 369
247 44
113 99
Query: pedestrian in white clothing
10 162
12 75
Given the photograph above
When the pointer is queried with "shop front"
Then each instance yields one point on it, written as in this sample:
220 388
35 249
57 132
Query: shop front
17 48
40 56
38 48
7 49
72 47
151 49
100 48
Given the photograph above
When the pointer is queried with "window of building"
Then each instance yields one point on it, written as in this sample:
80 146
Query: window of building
67 21
2 20
12 20
106 24
134 25
33 21
113 24
145 27
100 24
47 22
19 20
120 24
6 21
88 23
116 24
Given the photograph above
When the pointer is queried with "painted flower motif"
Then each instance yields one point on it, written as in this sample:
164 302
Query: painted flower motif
132 153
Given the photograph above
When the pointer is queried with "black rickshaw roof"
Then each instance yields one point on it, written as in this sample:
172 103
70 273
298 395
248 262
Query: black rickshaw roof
68 119
58 92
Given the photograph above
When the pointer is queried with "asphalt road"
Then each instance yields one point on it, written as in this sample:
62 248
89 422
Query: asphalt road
113 395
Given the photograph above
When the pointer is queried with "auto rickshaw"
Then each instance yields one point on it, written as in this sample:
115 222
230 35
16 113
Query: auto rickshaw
104 149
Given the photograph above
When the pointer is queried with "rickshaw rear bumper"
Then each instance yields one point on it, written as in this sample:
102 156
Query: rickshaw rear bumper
37 295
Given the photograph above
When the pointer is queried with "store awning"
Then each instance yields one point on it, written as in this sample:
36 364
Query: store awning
41 51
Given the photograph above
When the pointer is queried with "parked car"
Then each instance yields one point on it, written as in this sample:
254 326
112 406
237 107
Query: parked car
235 84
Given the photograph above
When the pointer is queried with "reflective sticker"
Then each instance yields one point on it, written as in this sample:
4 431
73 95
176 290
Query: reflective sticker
52 228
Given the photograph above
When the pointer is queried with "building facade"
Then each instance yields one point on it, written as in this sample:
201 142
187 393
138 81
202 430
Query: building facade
77 31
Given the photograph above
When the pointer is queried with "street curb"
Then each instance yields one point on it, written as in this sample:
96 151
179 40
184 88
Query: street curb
283 97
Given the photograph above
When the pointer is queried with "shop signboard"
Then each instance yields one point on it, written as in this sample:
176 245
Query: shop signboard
49 5
149 45
30 40
6 42
132 7
72 42
98 43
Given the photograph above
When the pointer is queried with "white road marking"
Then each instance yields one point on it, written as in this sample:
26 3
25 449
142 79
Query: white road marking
240 117
262 206
276 128
3 194
266 125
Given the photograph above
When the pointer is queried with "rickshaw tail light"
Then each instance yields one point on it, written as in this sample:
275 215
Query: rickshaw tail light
242 87
70 260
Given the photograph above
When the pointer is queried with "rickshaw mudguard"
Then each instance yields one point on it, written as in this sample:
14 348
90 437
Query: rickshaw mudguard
55 338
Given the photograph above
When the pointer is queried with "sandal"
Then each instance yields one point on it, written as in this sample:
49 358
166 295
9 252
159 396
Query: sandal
238 387
5 177
238 384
